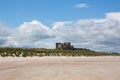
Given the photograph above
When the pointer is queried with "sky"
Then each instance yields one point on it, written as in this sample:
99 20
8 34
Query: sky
92 24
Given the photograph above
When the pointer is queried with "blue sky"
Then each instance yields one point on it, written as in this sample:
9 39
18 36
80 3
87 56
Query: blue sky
92 24
15 12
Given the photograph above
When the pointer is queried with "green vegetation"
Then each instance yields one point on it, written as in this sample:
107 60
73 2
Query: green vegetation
25 52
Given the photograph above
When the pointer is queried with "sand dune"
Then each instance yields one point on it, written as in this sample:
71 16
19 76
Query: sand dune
60 68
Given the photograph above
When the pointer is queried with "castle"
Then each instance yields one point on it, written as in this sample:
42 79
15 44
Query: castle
64 46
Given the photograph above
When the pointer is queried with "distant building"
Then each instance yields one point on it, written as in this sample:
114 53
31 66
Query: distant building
64 46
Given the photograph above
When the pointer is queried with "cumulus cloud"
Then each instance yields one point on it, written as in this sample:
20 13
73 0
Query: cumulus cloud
81 6
33 32
96 34
61 24
28 34
113 15
4 33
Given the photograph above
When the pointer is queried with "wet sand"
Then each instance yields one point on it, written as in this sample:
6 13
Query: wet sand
60 68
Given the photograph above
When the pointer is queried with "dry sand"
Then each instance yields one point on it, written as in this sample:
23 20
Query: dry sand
60 68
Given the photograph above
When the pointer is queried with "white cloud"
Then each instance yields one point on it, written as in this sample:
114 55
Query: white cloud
32 32
113 15
27 35
60 24
4 33
96 34
81 6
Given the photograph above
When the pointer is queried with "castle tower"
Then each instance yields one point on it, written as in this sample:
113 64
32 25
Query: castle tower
58 45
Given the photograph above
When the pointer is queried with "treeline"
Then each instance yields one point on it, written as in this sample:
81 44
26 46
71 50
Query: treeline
30 52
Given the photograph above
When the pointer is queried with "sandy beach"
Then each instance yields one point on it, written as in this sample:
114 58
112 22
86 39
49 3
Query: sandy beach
60 68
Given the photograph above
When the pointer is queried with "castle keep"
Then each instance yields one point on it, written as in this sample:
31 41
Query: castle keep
65 46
